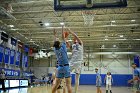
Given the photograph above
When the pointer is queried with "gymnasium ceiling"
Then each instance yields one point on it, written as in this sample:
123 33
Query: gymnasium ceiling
105 34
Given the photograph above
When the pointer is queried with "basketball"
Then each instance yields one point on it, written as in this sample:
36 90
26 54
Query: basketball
66 34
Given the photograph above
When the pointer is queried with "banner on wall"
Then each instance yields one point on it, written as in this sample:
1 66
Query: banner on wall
6 55
24 60
27 74
4 36
10 72
12 56
137 60
13 41
18 54
1 53
26 48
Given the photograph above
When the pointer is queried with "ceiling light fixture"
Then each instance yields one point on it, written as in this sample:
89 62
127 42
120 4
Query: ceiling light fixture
114 46
106 39
133 20
113 21
62 23
11 26
121 35
26 38
136 39
46 24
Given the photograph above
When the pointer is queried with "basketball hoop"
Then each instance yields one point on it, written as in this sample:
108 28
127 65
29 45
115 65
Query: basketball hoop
88 17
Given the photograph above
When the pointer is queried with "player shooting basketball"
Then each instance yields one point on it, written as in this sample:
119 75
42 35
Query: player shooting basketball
77 58
63 70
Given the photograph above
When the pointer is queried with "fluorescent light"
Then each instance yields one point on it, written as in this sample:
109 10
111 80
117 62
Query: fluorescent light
4 32
113 25
62 23
114 45
121 35
113 21
14 29
46 24
121 39
11 26
106 39
26 38
31 41
133 20
136 39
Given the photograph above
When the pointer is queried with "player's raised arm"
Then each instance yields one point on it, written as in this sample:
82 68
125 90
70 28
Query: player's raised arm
54 33
77 38
63 36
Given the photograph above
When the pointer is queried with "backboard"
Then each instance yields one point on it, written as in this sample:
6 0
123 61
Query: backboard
66 5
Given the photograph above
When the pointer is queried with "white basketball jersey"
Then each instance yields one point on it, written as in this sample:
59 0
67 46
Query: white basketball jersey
108 79
77 53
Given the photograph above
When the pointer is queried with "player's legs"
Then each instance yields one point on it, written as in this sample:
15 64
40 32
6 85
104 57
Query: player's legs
59 76
64 90
106 88
68 84
98 89
138 91
77 76
77 68
58 91
55 86
67 76
64 85
110 88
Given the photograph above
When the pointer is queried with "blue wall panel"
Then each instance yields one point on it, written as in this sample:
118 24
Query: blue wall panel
6 55
1 53
90 79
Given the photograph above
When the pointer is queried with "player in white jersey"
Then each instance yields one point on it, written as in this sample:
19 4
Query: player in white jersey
108 81
76 59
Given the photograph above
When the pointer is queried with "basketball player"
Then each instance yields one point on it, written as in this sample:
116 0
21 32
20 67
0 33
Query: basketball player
98 81
76 59
136 77
2 79
63 70
108 81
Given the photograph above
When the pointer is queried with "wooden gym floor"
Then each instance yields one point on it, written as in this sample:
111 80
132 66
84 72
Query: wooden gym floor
82 89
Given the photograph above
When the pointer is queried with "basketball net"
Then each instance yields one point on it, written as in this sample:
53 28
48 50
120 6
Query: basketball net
88 16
